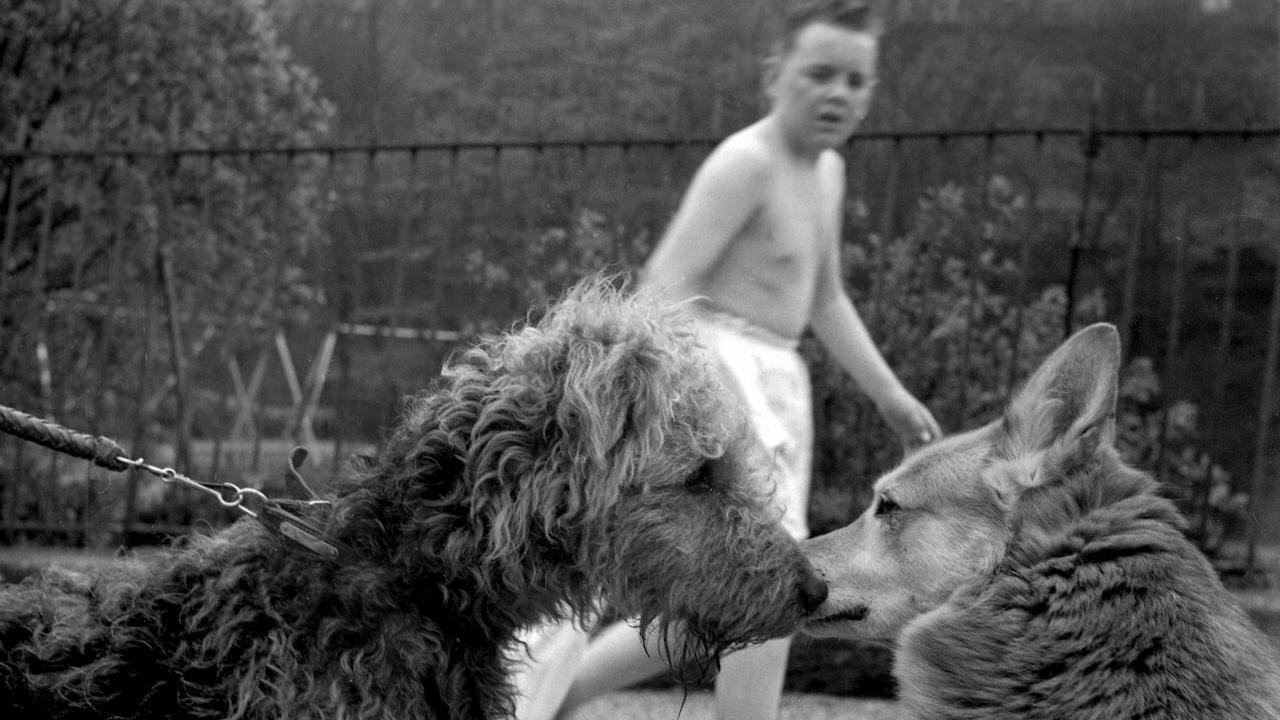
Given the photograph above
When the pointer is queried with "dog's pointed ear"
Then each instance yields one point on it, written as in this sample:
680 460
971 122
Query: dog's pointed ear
1066 411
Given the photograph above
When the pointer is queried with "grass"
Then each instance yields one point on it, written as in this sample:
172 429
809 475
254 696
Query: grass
18 562
699 705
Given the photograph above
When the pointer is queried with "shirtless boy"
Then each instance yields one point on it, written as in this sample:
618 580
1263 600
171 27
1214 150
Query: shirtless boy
756 242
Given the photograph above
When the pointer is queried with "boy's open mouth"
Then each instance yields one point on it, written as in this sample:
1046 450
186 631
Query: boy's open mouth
830 117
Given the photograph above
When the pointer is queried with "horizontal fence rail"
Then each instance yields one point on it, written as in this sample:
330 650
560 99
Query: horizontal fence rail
538 145
215 305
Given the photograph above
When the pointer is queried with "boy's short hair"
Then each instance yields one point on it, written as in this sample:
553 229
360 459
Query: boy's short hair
848 14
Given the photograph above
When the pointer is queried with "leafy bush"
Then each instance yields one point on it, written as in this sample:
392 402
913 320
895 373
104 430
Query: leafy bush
526 272
1163 437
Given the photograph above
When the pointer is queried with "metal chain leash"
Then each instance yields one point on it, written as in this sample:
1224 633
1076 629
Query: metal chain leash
277 515
228 494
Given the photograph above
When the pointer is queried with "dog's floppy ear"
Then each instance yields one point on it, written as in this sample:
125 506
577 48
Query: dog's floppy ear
1066 410
606 363
617 392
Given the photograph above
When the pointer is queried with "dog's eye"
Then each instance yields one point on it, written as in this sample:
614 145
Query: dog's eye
701 480
886 505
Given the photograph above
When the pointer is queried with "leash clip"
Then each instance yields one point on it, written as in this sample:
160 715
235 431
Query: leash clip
299 531
294 528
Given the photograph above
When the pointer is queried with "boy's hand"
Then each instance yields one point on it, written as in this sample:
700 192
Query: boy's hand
910 419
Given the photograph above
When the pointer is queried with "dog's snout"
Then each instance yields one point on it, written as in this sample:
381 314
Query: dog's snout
813 591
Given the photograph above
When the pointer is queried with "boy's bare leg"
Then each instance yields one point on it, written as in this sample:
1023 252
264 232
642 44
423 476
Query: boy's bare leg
749 685
615 659
541 680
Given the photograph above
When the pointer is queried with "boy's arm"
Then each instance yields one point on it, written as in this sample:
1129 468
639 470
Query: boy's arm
839 327
721 199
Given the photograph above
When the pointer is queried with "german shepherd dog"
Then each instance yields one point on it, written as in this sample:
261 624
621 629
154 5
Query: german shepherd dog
1025 572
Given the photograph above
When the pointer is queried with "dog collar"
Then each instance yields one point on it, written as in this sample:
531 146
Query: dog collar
276 516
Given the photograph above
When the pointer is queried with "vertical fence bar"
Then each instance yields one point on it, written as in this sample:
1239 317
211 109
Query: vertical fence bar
1174 340
1266 412
1226 327
86 519
90 354
367 231
142 415
892 180
1180 241
937 162
620 256
342 351
1133 254
10 487
441 270
50 497
669 193
13 183
404 251
39 283
81 372
1024 259
1091 145
13 188
497 204
873 315
177 353
973 251
223 413
163 260
344 317
888 220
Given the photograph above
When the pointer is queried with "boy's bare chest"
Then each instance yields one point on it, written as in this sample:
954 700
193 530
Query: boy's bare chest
795 222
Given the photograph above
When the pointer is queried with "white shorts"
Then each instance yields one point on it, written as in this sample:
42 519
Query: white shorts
773 381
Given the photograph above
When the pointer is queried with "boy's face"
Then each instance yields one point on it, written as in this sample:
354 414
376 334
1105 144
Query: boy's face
821 89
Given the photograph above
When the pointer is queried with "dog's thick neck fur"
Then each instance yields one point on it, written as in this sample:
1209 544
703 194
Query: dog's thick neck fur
1049 622
1093 495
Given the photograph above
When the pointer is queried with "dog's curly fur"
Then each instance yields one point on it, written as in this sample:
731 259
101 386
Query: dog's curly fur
590 457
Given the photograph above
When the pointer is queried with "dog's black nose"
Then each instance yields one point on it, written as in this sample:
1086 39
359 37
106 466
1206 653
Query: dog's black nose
813 592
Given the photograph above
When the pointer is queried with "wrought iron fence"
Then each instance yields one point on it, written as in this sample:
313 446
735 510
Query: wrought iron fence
368 264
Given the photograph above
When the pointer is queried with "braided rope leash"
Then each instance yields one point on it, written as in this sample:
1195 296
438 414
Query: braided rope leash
105 452
101 451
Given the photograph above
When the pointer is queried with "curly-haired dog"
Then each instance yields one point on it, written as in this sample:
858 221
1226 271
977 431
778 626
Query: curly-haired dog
589 458
1026 572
